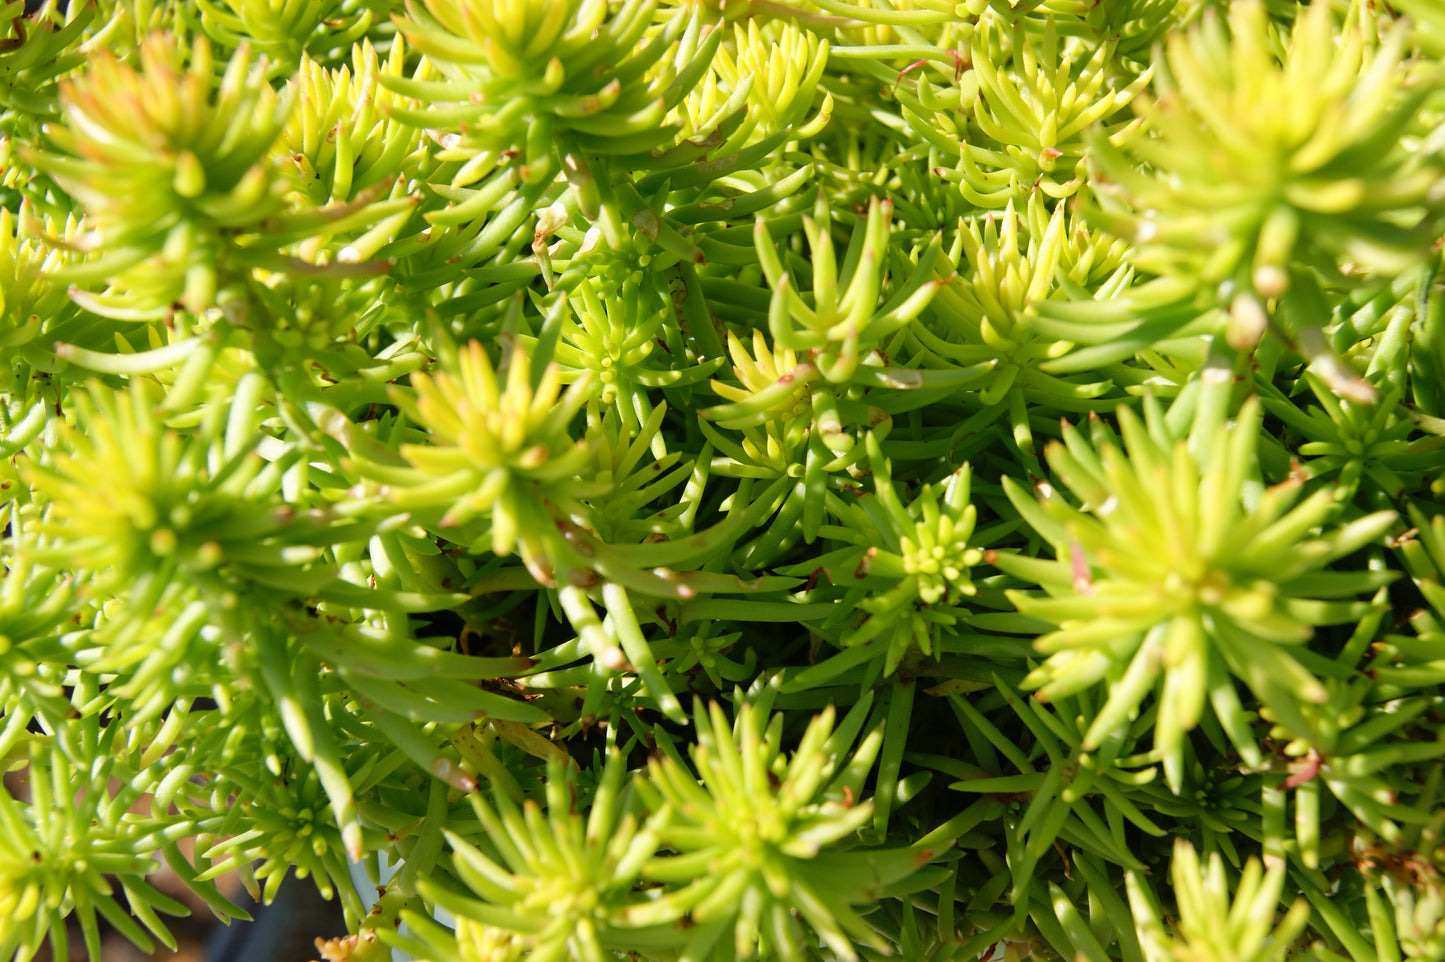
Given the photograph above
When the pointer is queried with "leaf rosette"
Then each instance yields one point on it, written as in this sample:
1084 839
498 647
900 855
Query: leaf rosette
168 164
1180 569
761 839
500 451
1263 164
521 75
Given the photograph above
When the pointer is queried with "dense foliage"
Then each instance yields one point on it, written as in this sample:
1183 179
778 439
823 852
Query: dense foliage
725 479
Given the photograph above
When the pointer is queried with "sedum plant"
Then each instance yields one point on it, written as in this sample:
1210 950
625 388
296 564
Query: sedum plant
685 481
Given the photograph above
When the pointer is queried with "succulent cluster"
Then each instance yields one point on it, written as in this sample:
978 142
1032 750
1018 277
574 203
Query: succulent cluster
683 481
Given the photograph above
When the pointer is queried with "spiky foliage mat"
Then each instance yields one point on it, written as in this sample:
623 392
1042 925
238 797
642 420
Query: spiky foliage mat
693 480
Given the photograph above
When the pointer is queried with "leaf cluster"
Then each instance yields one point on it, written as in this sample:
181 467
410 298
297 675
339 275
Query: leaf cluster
779 479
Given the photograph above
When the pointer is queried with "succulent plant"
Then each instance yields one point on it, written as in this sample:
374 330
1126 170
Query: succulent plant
686 481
